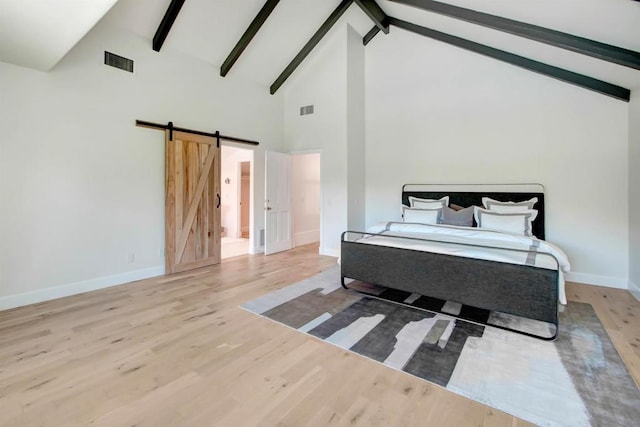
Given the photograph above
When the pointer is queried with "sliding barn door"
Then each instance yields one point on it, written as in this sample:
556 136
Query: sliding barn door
192 201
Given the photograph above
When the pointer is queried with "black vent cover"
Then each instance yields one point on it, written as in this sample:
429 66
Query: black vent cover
118 61
306 110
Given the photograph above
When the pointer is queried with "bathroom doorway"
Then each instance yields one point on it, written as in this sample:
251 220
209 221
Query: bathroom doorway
236 201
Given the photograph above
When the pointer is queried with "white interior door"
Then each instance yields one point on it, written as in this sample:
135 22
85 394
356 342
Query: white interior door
277 229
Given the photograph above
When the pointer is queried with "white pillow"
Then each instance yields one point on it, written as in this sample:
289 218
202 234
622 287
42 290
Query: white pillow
508 207
506 222
421 216
415 202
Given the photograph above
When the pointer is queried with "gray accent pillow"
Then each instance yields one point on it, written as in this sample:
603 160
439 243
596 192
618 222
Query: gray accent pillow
462 217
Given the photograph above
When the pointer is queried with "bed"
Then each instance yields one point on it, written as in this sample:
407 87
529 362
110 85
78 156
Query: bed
503 272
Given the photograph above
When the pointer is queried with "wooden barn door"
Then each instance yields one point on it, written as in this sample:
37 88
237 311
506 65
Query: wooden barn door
192 201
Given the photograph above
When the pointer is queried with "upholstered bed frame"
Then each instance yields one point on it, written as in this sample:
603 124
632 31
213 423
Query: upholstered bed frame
520 290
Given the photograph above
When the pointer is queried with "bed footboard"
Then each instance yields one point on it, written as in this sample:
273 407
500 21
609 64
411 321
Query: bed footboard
520 290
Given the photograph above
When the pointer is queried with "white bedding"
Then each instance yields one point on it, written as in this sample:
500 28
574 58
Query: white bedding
453 240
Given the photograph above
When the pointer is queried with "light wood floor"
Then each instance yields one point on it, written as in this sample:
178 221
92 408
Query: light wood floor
177 350
231 247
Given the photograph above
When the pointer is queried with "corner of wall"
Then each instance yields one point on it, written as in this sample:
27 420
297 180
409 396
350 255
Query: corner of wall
634 193
634 289
334 252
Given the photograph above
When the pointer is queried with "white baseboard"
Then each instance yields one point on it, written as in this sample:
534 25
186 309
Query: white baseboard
19 300
12 301
634 289
306 237
334 252
594 279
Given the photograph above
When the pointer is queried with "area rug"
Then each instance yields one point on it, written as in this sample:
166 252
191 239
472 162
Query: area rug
577 380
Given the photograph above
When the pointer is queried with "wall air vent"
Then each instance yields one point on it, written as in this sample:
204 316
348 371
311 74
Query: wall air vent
118 61
306 110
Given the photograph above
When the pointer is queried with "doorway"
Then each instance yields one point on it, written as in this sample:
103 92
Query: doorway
245 199
292 200
236 230
305 207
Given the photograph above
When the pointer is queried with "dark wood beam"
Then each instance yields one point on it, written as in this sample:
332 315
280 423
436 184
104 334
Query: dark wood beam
167 22
313 42
580 80
370 35
375 12
248 35
606 52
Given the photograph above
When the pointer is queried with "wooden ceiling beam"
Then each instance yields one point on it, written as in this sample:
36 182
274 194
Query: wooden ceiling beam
313 42
167 22
248 35
375 12
566 76
603 51
370 35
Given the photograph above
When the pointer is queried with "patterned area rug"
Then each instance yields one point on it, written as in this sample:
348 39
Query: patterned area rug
576 380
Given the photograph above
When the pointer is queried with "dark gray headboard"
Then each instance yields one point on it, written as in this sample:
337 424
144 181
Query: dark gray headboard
472 194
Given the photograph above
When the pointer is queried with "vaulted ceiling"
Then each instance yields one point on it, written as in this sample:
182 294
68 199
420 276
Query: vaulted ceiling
209 30
38 33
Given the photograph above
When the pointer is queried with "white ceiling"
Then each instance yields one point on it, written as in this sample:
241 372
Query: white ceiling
614 22
38 33
209 30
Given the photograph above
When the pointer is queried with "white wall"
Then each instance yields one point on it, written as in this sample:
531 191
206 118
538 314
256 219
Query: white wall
634 193
82 188
230 168
305 198
322 81
439 114
355 131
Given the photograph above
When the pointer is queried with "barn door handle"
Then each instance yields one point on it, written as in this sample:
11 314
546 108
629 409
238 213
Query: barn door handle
218 195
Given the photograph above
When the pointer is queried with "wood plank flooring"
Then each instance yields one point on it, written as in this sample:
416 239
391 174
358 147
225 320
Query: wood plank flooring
177 350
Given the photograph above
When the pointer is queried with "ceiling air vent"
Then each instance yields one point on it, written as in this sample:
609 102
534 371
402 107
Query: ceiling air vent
118 61
306 110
